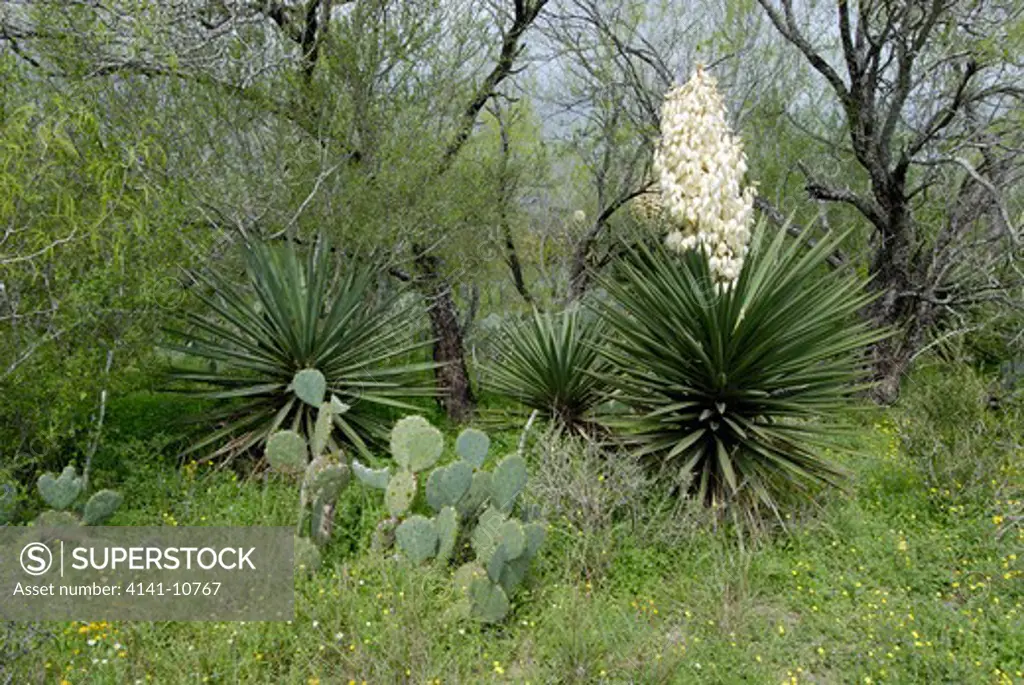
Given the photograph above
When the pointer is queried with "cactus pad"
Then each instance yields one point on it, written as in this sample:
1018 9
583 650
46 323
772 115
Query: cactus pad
465 575
326 478
472 446
447 484
100 507
56 519
400 493
305 556
447 525
374 478
310 386
8 502
485 537
61 492
512 538
286 452
479 491
507 481
415 444
513 572
489 603
417 538
322 429
322 521
337 406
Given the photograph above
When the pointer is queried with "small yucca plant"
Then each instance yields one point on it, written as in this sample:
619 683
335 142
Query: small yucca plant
550 363
294 314
731 388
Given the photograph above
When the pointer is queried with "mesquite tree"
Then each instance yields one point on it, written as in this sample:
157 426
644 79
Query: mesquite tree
931 101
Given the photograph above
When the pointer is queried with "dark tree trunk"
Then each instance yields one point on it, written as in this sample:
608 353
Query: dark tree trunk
455 394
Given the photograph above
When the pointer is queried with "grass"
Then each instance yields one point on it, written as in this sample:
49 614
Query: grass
892 582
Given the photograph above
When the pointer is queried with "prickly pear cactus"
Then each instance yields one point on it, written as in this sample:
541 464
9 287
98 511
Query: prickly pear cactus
8 503
373 478
310 386
306 556
507 481
60 492
51 518
415 444
472 446
472 505
400 493
287 452
447 484
100 507
447 525
417 538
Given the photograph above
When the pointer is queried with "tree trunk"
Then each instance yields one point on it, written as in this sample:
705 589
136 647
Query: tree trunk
455 394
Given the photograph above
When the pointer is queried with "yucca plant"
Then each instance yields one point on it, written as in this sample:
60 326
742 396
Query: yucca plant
550 363
732 387
294 314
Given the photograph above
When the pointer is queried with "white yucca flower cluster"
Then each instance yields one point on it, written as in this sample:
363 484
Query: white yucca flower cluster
700 166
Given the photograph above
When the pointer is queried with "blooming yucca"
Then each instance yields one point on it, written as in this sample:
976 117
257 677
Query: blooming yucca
700 166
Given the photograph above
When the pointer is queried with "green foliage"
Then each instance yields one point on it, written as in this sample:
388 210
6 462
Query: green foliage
457 492
732 389
962 447
552 363
311 329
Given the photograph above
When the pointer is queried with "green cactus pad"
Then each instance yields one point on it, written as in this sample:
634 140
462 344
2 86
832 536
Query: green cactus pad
472 446
447 525
61 492
513 572
512 538
310 386
447 484
326 478
337 406
400 493
489 603
56 519
322 429
286 452
465 575
415 444
479 491
322 521
485 537
8 502
100 507
417 538
305 556
507 481
373 478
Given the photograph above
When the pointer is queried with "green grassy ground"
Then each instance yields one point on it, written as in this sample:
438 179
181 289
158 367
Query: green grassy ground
891 582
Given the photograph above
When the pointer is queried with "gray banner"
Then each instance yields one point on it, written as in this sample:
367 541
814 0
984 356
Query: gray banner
165 573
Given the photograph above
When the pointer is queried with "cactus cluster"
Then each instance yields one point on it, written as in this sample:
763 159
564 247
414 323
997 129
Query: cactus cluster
465 500
320 464
63 491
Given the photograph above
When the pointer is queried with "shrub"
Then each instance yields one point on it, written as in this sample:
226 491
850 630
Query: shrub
731 385
551 363
306 315
962 447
